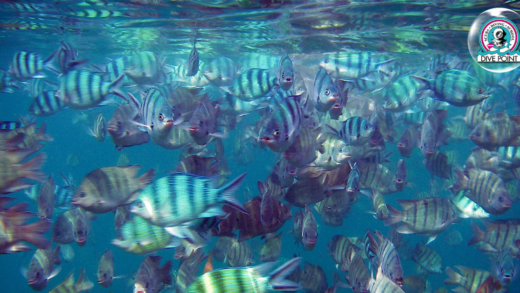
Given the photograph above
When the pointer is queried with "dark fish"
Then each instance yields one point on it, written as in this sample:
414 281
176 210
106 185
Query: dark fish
325 93
303 150
46 199
340 248
297 227
250 224
106 189
285 172
41 269
267 207
150 277
357 273
239 254
428 216
437 165
66 57
123 130
427 258
355 131
313 278
309 191
13 170
203 123
105 272
122 216
221 247
71 226
499 129
193 61
309 230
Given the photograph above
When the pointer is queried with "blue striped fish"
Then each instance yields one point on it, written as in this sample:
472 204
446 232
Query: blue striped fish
82 89
325 93
182 197
252 279
26 65
145 68
253 84
355 131
46 103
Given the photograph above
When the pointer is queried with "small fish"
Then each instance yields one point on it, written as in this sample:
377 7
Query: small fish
401 174
325 93
67 252
383 284
266 206
68 285
505 269
162 207
285 72
427 258
26 65
252 84
144 68
284 172
108 188
468 208
271 249
239 254
341 248
355 131
403 93
407 141
303 150
357 273
221 71
140 237
353 181
348 66
105 272
203 123
100 128
499 129
313 278
428 138
388 258
46 103
221 247
309 230
193 60
122 160
66 57
252 279
150 277
123 130
42 269
437 164
71 226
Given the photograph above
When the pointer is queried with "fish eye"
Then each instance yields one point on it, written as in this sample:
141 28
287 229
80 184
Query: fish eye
326 61
366 127
480 91
161 117
327 92
201 123
82 194
139 204
388 103
276 133
500 199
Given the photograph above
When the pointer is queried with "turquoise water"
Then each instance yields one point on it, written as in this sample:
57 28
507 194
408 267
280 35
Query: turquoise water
306 30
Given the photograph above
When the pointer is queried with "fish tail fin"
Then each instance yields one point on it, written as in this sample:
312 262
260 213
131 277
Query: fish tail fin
166 273
461 181
33 233
146 178
394 216
41 135
277 278
228 192
453 277
83 283
31 169
478 234
56 255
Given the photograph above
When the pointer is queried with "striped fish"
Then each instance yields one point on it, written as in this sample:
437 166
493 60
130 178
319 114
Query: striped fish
280 129
340 248
498 129
427 258
253 84
400 175
82 89
10 125
459 130
377 176
428 216
41 269
378 204
66 57
5 82
349 66
353 181
499 235
509 156
459 88
303 150
185 249
469 279
387 256
145 68
115 68
26 65
193 60
151 278
324 93
239 254
403 93
221 71
407 141
285 72
415 118
356 131
309 230
377 80
105 189
468 208
252 279
357 273
474 115
258 60
383 284
68 285
140 237
271 249
156 114
181 197
437 165
486 189
46 103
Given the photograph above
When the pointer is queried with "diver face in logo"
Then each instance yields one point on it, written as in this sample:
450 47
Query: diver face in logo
499 41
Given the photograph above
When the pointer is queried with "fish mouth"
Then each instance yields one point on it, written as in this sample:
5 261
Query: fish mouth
193 129
32 281
100 281
312 242
168 123
266 140
288 80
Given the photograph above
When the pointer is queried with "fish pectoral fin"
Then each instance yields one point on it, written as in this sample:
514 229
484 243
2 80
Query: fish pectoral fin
214 211
431 238
55 272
